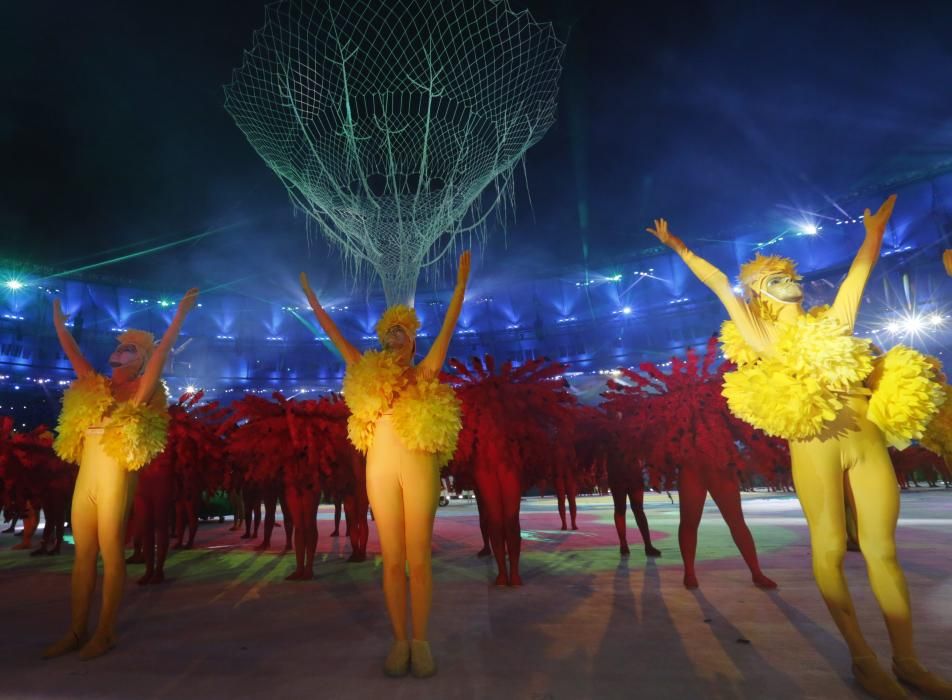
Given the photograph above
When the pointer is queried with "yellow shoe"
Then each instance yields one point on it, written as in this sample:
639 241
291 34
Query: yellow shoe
398 660
875 681
910 671
422 664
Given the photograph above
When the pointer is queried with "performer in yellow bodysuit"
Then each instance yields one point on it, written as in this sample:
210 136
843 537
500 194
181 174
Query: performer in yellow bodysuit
407 424
805 377
110 427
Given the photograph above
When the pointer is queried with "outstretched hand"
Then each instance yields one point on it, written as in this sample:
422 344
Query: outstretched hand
188 301
876 223
661 232
462 275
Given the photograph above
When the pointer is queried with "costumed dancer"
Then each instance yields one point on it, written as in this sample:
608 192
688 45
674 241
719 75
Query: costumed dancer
685 425
111 428
514 422
806 377
315 431
407 424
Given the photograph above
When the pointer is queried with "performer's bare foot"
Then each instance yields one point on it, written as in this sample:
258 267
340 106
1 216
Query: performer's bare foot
96 646
515 579
874 680
336 533
652 551
501 579
690 581
484 552
762 581
623 549
911 672
71 642
563 526
574 526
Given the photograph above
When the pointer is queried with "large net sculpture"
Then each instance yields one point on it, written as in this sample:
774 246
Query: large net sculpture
396 124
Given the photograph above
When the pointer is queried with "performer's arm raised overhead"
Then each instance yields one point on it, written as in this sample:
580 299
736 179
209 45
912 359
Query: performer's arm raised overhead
347 351
75 356
436 357
153 369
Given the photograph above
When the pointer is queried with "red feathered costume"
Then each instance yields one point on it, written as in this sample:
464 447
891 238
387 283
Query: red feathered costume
262 446
682 423
511 422
606 441
33 477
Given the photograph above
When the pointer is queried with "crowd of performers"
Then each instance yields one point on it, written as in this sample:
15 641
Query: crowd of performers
798 396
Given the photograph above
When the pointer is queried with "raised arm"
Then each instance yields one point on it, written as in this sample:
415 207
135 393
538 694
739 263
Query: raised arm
748 325
347 351
73 353
850 294
436 357
153 370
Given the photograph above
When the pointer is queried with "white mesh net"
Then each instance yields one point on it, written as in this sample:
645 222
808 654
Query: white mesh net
387 119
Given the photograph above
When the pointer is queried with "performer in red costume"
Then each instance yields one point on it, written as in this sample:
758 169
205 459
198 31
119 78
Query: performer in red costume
683 423
512 420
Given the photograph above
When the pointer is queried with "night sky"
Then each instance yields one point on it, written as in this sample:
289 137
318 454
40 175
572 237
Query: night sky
113 131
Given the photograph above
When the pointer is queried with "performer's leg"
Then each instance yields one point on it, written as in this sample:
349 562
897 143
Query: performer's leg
293 498
421 498
489 488
483 526
511 503
637 498
726 495
621 510
145 528
161 508
338 502
270 499
691 497
192 506
571 486
877 511
311 505
31 519
116 490
83 580
386 499
559 483
248 502
288 520
818 478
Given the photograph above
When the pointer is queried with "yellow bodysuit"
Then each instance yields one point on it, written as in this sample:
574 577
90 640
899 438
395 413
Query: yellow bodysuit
109 440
